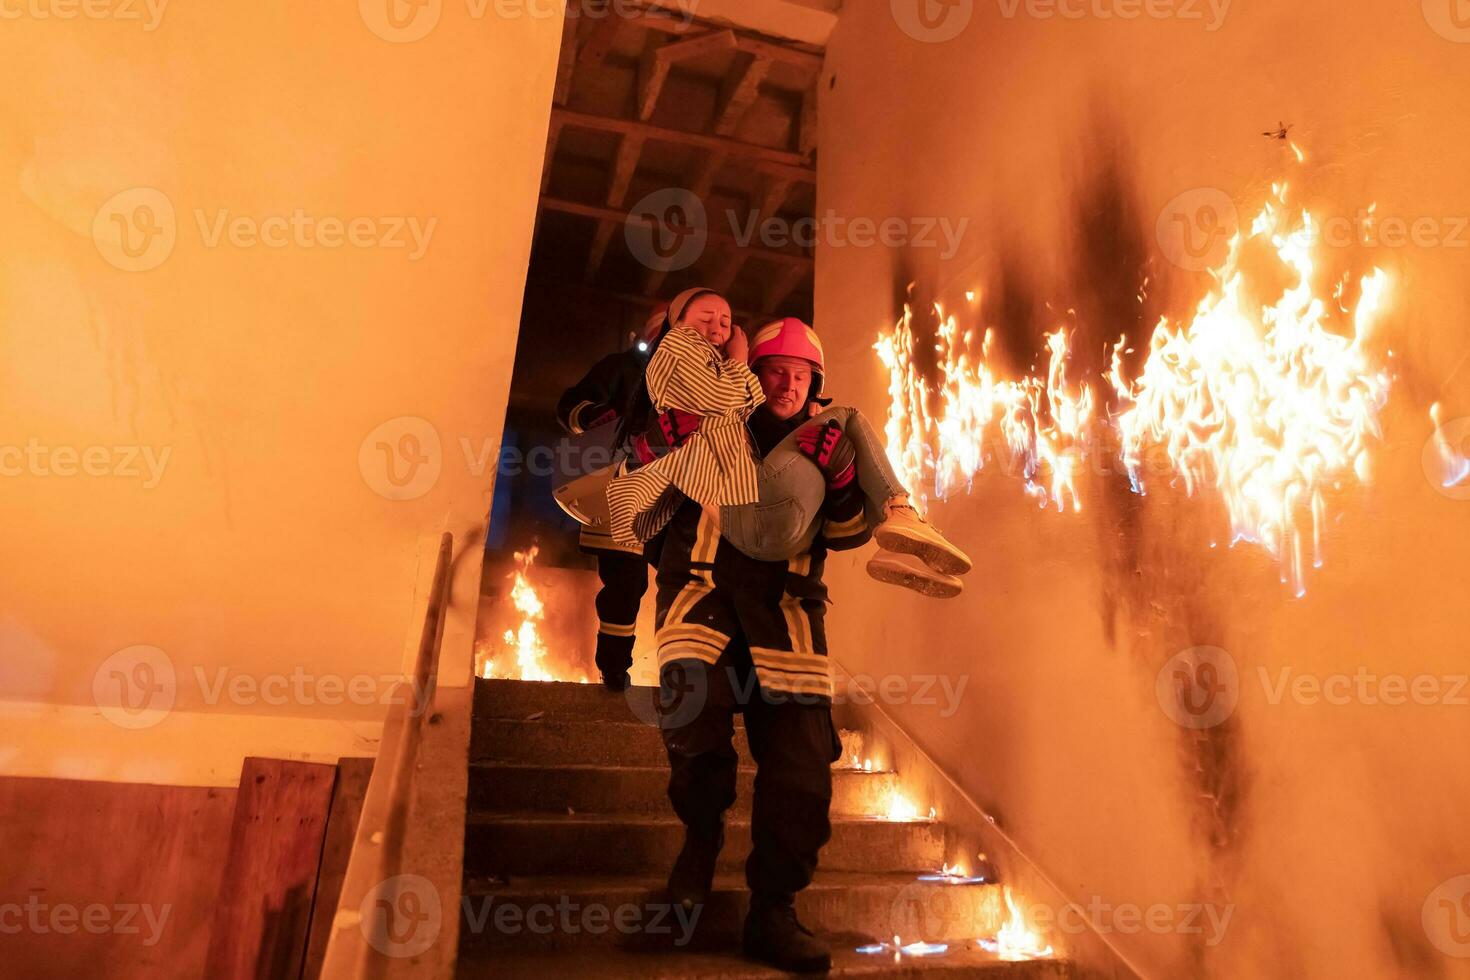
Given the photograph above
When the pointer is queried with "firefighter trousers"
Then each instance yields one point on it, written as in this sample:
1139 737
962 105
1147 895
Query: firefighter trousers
624 579
793 742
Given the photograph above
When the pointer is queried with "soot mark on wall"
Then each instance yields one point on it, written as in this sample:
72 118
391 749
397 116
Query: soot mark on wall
1156 595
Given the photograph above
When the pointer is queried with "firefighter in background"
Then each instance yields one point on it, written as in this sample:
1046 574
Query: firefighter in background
741 635
604 398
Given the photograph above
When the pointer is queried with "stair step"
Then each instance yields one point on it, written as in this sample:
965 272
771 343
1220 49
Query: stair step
563 741
564 911
581 702
505 787
535 843
729 965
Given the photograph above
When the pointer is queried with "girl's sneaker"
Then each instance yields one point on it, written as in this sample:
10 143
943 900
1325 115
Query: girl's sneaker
903 530
896 568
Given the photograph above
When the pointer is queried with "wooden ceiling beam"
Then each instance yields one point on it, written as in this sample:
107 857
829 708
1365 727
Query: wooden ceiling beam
601 239
806 136
699 46
747 317
716 234
767 159
700 185
773 197
653 72
630 150
600 41
566 65
553 137
780 286
729 271
739 93
624 167
652 20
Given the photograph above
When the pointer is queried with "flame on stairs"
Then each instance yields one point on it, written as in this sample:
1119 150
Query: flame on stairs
570 835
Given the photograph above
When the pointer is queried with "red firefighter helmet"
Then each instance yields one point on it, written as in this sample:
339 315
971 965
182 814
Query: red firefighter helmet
655 324
791 338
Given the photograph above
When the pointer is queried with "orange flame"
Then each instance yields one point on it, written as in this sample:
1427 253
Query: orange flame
1016 940
525 650
1265 405
1041 422
901 809
1454 466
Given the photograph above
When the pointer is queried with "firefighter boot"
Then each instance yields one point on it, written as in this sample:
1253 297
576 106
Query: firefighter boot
773 935
694 868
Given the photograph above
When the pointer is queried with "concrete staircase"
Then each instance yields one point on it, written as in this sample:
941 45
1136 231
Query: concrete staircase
570 836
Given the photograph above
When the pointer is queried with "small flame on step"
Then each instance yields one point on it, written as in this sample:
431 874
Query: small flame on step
856 754
898 949
1016 940
901 809
953 875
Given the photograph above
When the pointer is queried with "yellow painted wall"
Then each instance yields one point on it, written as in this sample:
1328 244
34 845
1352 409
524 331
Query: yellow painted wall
328 211
1324 829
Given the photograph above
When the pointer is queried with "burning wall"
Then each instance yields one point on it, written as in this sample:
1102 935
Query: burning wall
1074 144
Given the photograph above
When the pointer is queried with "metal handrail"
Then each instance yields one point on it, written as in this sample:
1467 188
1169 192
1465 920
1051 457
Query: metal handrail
377 848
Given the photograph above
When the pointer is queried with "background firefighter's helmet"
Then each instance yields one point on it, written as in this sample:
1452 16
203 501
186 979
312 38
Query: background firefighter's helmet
791 338
654 328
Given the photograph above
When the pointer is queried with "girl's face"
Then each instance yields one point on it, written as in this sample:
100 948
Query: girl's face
709 316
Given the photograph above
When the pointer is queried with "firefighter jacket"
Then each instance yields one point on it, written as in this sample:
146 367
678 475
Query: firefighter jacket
708 590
